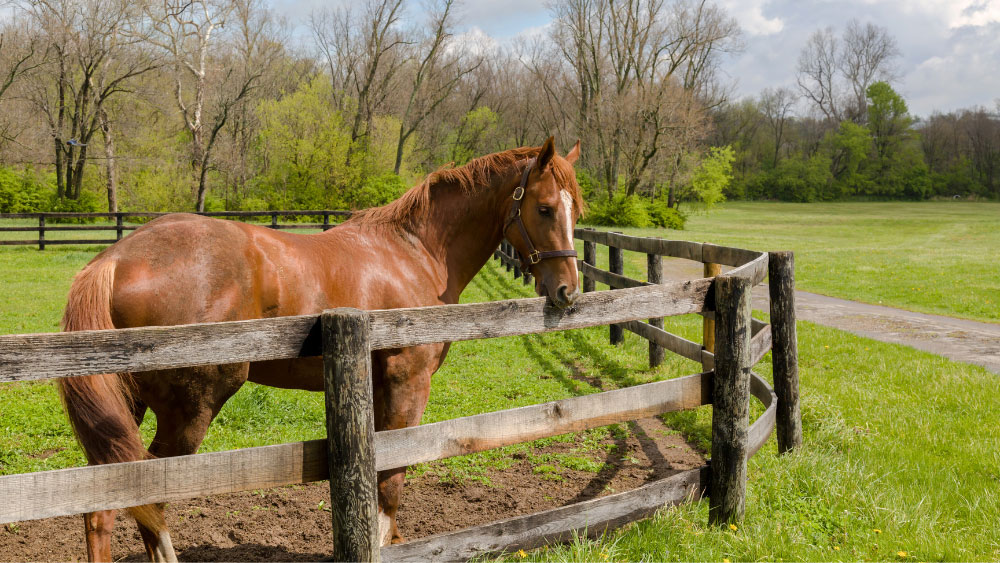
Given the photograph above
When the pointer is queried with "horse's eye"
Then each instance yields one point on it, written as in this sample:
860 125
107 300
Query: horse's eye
545 211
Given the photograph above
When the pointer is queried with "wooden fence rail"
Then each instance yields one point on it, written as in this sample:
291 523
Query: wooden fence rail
345 339
120 227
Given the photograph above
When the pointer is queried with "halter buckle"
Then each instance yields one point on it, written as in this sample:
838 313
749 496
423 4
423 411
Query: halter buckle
534 257
518 194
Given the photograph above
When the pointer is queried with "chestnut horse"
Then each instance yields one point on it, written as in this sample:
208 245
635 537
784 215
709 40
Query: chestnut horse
421 250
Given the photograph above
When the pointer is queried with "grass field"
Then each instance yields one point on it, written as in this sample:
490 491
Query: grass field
900 460
932 257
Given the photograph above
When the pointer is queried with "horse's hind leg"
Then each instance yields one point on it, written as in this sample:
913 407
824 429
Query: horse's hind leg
97 529
185 401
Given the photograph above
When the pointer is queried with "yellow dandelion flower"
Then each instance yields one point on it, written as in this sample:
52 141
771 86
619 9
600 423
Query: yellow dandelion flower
724 560
733 527
877 531
901 553
521 553
836 548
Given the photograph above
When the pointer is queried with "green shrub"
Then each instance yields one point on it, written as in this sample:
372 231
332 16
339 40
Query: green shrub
665 216
22 193
379 190
89 202
621 211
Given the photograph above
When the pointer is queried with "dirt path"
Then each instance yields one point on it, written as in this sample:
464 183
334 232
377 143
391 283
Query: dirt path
956 339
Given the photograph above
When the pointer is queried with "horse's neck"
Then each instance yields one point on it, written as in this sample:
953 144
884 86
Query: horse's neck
463 228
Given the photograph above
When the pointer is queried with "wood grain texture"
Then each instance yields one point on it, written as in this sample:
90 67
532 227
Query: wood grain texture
350 431
63 492
556 525
754 270
648 245
727 255
676 344
90 352
460 436
590 259
785 355
152 348
760 344
761 429
616 265
614 281
730 400
654 275
708 323
399 328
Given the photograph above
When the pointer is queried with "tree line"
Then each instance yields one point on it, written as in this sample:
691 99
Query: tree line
210 105
844 131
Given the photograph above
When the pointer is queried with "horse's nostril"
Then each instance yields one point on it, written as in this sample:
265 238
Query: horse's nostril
564 295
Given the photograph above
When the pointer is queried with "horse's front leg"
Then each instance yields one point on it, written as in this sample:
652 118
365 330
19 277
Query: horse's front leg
402 383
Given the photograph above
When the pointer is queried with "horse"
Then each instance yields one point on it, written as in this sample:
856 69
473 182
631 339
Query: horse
421 250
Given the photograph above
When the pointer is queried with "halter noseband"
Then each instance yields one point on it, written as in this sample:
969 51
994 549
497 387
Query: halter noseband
534 256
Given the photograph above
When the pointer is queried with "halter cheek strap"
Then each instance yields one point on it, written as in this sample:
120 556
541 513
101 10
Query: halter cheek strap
534 256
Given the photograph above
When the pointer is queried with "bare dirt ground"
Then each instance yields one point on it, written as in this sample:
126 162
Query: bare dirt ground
290 523
956 339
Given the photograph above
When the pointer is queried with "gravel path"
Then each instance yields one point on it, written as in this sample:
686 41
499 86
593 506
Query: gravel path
956 339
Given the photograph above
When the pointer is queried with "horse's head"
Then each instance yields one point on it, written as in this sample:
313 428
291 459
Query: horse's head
543 212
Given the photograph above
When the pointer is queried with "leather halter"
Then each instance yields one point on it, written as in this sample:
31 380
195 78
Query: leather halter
534 256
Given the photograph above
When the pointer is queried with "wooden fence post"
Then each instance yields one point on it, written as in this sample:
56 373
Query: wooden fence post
654 274
350 434
326 221
509 254
616 266
119 225
730 400
708 324
41 232
589 257
274 219
785 350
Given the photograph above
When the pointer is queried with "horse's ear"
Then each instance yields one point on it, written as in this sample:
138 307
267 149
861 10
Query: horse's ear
574 153
548 151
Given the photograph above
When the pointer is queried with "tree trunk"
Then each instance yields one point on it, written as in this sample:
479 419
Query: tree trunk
110 166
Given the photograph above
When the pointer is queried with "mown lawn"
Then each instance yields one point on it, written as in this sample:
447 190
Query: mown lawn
900 460
935 257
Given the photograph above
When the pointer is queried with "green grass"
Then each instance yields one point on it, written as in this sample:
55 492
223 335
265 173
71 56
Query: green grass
932 257
900 453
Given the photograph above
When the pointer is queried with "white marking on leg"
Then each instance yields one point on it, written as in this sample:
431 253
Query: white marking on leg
384 527
164 548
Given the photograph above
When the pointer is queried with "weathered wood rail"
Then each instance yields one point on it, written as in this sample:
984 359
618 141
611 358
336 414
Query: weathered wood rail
121 227
345 340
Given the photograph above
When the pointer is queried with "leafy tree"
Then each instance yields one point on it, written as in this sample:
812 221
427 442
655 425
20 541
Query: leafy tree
713 175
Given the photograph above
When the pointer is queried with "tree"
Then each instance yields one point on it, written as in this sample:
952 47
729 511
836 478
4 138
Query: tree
776 107
835 75
642 73
436 73
362 53
214 73
94 50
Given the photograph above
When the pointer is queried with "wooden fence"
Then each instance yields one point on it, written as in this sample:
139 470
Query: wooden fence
121 227
353 452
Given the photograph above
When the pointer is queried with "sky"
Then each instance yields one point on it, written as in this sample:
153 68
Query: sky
950 48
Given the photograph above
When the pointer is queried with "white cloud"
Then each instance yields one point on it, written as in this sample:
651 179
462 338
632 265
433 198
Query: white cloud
750 14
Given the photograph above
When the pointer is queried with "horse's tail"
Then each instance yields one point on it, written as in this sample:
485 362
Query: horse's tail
99 406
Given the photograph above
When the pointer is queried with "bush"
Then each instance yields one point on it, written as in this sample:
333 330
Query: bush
621 211
89 202
666 217
379 190
22 193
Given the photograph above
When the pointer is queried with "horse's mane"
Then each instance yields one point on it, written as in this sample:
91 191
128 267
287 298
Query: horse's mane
472 177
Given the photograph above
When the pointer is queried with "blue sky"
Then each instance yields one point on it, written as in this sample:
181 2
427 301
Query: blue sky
950 49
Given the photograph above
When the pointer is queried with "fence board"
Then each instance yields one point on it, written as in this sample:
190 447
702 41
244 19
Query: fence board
676 344
615 281
555 525
460 436
397 328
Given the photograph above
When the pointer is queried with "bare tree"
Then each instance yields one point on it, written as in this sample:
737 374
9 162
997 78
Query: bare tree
362 55
642 71
437 69
94 49
776 106
835 75
214 72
